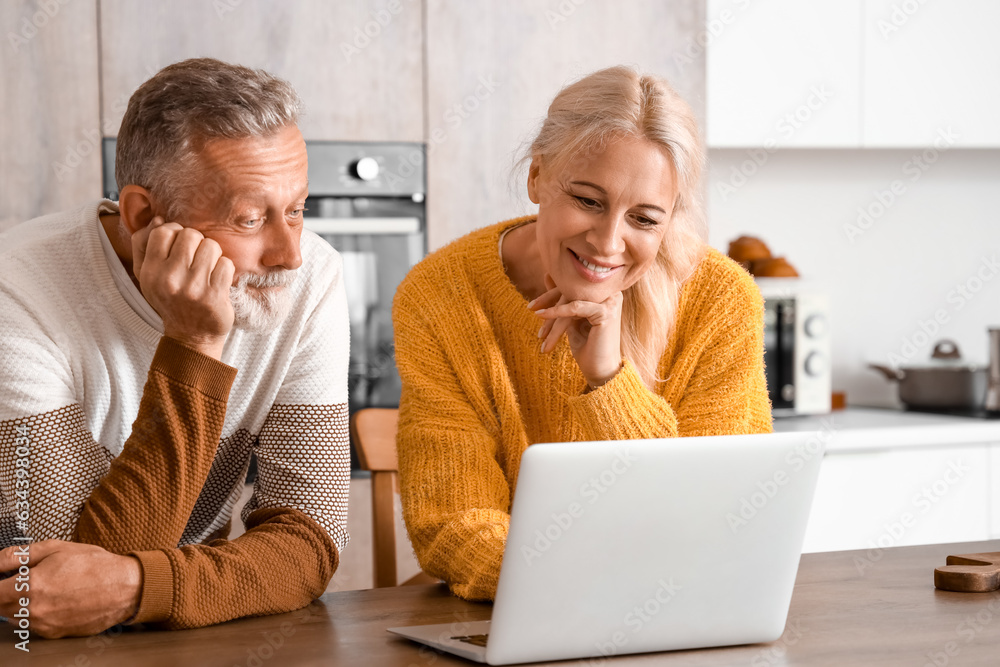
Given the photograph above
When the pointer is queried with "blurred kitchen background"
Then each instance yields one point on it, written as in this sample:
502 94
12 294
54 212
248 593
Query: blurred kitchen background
858 138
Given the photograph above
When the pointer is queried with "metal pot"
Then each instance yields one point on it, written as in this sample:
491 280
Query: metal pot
946 382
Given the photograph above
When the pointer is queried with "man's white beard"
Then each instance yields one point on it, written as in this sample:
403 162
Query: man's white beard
258 310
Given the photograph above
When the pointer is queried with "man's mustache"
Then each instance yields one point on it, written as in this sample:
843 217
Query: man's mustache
279 278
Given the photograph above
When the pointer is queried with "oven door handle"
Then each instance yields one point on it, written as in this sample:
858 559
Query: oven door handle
363 225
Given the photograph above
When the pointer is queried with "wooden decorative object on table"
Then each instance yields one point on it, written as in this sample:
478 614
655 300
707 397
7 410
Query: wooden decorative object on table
970 573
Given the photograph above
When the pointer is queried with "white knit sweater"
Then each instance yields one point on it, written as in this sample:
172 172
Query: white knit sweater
74 357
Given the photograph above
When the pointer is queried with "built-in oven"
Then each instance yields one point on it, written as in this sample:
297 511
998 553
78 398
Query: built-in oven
367 201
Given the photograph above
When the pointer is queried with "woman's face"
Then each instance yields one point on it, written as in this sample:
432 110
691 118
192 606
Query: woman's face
602 217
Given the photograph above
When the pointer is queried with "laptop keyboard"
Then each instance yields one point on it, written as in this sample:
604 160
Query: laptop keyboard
476 640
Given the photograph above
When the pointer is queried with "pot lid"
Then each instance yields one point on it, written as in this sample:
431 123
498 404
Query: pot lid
945 356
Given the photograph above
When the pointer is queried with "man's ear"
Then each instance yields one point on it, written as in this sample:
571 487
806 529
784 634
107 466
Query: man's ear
136 207
533 179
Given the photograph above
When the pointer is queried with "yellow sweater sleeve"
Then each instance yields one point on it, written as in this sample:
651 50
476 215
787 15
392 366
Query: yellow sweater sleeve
726 392
456 500
624 409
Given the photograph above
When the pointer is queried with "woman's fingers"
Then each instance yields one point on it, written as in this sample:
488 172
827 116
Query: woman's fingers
546 328
558 328
546 300
595 313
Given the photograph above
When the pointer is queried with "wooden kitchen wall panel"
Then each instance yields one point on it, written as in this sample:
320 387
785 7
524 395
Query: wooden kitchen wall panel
493 68
357 65
50 136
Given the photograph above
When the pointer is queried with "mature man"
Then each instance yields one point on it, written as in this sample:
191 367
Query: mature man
148 347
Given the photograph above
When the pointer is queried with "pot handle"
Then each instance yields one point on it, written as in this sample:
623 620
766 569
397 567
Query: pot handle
946 349
889 372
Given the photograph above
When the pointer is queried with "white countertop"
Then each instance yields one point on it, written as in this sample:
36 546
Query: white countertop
867 429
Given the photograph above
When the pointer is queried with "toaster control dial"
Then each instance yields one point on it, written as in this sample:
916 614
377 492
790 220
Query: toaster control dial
815 364
815 326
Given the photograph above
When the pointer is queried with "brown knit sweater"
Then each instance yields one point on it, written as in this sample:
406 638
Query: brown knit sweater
477 392
142 505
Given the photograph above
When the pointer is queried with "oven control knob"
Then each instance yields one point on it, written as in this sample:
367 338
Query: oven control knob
814 364
815 326
365 169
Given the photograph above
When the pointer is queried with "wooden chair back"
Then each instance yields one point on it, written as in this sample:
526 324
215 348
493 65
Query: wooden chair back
373 431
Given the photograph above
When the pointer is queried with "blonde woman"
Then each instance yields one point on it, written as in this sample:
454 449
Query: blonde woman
603 317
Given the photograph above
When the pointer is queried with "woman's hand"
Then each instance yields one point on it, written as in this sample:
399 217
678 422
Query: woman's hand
594 331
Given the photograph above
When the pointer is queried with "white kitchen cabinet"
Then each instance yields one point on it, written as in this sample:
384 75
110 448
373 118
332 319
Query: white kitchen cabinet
783 73
894 74
930 67
994 476
898 497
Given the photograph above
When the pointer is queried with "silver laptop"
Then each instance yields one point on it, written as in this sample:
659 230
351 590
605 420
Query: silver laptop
645 545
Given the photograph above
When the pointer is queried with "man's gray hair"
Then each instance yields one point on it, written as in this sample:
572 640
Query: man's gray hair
171 115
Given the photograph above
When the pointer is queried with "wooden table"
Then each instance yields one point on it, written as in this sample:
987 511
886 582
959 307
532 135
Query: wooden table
866 608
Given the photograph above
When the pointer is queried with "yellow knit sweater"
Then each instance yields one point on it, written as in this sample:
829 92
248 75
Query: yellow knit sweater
477 392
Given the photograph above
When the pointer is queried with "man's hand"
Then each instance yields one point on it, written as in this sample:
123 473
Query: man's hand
73 589
186 280
594 331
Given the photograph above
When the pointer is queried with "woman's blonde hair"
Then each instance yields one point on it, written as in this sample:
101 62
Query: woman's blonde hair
619 102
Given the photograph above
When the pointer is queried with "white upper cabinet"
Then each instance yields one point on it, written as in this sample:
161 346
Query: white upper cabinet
932 73
893 73
783 73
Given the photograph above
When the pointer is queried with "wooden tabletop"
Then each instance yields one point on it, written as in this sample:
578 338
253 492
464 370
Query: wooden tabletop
868 608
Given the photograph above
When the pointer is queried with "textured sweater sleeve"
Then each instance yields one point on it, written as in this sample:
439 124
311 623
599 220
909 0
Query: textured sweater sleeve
146 498
74 491
456 499
726 392
283 562
624 409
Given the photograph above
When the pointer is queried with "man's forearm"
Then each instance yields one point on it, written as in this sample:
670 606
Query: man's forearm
283 562
146 499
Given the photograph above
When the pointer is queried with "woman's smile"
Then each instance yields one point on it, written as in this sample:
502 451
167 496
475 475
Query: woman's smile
592 269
